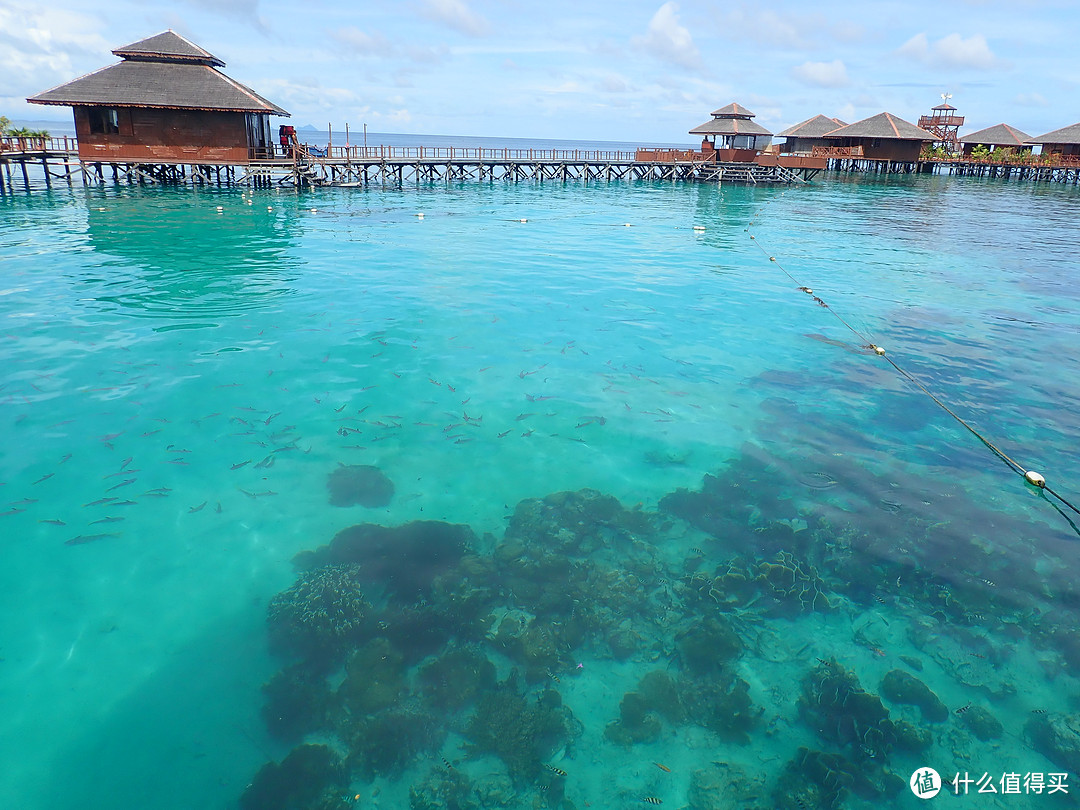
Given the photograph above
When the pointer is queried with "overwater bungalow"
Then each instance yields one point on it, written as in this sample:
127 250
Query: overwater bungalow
732 134
884 137
1062 143
802 138
165 102
997 139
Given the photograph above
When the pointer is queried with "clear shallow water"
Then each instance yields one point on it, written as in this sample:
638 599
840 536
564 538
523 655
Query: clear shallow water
205 373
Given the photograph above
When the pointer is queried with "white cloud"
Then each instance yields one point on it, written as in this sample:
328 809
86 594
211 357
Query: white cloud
667 39
361 43
822 74
455 14
1031 100
952 51
37 43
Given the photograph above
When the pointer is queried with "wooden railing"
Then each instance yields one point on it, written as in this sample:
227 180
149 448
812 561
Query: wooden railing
361 154
837 151
20 143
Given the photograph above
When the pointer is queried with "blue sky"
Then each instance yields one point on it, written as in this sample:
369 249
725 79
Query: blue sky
636 70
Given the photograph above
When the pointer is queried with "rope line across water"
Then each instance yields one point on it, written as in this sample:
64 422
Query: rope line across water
1030 477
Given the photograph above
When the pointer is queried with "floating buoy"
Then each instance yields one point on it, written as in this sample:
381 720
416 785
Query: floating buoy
772 258
626 224
1035 479
877 350
269 208
220 208
699 227
419 215
751 236
314 210
523 220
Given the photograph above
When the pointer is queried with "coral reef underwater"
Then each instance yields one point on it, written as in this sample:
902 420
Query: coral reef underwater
443 662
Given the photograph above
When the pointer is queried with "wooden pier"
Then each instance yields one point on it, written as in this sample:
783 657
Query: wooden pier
1038 168
359 166
56 160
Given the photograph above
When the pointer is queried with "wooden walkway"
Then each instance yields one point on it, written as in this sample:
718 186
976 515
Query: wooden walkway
56 160
385 166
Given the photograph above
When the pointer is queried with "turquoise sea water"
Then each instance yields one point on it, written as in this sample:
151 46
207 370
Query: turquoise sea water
801 548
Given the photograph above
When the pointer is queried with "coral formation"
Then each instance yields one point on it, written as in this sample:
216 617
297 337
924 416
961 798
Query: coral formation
311 777
374 678
359 485
443 789
708 646
1057 737
721 703
903 687
321 613
841 712
297 701
636 724
404 560
522 733
981 723
384 744
455 679
576 524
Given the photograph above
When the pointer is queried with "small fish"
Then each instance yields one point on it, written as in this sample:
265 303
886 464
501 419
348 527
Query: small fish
88 538
108 519
880 653
878 598
53 522
824 663
556 771
266 462
45 477
652 800
695 550
963 708
241 464
988 582
100 501
664 768
503 434
198 508
1038 711
554 677
449 765
126 461
67 457
11 512
159 492
977 655
122 484
24 502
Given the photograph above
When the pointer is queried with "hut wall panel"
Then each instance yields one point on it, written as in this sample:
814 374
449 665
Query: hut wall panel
168 136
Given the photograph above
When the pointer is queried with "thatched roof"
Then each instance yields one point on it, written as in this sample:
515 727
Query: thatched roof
1000 135
1068 135
168 46
732 110
812 127
883 125
161 71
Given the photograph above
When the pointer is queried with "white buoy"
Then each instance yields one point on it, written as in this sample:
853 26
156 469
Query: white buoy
220 208
419 216
699 227
1035 479
269 208
523 220
314 210
879 350
626 224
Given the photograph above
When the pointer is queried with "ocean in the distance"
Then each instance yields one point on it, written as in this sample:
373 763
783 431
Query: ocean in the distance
479 496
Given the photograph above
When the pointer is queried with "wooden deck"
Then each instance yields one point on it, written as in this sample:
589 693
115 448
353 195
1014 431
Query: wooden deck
57 159
396 166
